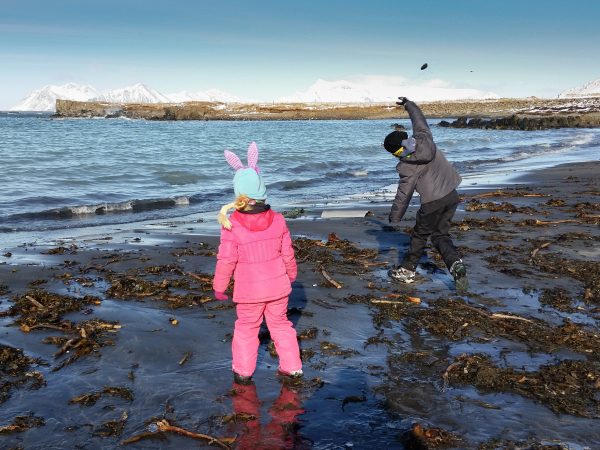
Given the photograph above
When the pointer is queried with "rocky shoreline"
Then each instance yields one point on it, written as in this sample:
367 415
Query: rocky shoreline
582 114
528 113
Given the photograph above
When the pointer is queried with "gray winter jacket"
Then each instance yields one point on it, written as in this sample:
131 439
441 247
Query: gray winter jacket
426 171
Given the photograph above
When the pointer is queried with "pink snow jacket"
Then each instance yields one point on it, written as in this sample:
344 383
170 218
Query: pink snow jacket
258 252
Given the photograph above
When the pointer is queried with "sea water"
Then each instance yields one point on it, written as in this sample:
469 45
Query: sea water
68 173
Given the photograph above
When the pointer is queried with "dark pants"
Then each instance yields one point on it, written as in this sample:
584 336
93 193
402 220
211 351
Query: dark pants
433 221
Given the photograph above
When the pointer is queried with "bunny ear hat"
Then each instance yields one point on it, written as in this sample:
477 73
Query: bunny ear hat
246 180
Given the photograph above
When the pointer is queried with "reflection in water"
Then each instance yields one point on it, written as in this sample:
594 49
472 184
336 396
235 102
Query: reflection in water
280 432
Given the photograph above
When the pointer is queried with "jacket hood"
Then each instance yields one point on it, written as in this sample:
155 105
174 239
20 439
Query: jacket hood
254 222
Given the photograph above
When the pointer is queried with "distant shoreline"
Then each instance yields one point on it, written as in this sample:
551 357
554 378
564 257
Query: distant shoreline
585 111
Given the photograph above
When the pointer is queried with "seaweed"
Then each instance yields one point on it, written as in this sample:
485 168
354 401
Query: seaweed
91 398
22 423
568 386
15 371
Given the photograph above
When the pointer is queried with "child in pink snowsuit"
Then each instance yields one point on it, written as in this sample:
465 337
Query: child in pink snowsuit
256 249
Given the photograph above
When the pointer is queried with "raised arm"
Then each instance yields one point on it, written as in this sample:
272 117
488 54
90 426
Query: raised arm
425 147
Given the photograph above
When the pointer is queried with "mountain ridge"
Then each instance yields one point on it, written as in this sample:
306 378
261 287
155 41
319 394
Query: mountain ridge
368 90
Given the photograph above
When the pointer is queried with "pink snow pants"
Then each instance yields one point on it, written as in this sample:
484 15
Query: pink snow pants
244 347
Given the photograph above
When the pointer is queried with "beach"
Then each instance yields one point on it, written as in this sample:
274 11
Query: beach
106 334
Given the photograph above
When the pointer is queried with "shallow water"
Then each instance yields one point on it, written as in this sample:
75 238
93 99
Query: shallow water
81 172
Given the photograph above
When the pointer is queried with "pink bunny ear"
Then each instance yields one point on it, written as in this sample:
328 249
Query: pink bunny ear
233 160
253 156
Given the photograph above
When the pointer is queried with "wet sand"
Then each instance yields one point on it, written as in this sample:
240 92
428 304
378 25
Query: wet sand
103 336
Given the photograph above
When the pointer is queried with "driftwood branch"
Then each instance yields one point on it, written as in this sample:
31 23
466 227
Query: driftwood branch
331 280
505 194
185 358
555 222
377 301
508 316
536 250
198 277
139 437
52 327
164 426
35 302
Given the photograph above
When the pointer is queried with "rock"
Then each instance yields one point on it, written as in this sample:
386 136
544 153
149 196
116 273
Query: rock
528 122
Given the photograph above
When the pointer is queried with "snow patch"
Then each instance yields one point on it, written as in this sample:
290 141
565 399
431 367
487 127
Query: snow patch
382 89
589 89
138 93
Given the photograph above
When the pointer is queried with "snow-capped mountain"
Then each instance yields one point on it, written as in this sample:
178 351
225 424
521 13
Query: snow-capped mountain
369 89
138 93
378 89
211 95
187 96
589 89
336 91
44 99
217 95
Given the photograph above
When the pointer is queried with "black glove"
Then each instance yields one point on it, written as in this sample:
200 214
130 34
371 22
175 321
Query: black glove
402 101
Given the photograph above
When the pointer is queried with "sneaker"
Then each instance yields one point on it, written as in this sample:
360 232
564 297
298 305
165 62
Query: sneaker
293 374
459 273
242 379
402 274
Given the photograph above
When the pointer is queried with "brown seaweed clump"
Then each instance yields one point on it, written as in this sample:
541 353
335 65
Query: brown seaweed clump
571 387
91 398
335 252
85 338
22 423
491 223
456 320
476 205
423 438
40 309
558 298
15 371
309 333
112 428
172 286
43 307
585 271
329 348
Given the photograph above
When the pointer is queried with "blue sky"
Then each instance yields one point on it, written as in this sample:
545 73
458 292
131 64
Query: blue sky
266 49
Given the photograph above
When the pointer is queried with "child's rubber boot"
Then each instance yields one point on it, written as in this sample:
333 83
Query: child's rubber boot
459 273
402 274
242 379
296 374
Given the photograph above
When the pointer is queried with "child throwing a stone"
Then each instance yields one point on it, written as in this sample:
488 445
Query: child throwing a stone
256 249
